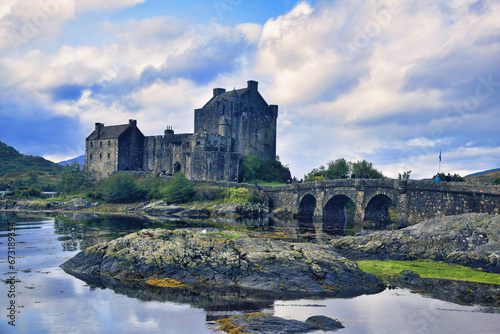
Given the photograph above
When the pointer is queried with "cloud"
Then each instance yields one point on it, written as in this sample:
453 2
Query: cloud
383 80
98 5
389 83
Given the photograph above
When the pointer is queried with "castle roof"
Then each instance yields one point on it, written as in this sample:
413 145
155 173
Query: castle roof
235 93
109 132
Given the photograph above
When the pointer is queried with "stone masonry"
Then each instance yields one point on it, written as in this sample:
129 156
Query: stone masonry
415 201
232 125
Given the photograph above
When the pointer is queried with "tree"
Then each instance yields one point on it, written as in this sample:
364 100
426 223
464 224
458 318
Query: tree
121 188
364 167
454 178
74 179
178 190
335 170
252 168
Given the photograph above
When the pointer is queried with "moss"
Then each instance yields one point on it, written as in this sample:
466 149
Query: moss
428 269
228 324
166 283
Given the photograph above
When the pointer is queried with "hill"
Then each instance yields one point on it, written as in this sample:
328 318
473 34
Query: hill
12 161
487 176
80 159
484 172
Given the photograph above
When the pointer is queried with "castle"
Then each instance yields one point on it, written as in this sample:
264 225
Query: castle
231 126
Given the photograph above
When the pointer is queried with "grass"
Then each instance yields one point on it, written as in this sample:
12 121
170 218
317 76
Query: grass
428 269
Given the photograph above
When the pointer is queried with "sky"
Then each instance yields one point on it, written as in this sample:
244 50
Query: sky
392 82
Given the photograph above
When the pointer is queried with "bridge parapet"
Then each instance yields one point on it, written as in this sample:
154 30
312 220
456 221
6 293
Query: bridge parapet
415 200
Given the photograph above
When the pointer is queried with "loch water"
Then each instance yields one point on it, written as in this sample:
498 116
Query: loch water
37 296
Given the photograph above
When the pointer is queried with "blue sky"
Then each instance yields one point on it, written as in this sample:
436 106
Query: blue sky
389 81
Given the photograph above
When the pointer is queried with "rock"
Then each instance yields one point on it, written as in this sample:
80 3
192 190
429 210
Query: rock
241 210
453 291
34 205
261 323
324 323
471 240
78 203
195 212
226 259
409 278
159 208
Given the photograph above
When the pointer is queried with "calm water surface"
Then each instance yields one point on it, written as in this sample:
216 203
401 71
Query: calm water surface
48 300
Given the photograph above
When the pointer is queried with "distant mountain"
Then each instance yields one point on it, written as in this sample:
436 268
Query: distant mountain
481 173
486 176
13 161
80 159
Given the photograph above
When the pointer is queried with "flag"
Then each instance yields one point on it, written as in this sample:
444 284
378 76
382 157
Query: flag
439 155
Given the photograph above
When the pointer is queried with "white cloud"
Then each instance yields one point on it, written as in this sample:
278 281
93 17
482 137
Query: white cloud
96 5
371 80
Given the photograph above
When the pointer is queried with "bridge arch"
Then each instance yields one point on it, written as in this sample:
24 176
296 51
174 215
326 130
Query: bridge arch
377 212
307 206
334 214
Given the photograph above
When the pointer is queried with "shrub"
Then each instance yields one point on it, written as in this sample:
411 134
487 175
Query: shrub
252 168
121 188
208 193
178 190
241 195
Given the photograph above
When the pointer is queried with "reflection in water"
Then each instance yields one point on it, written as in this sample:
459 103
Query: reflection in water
51 301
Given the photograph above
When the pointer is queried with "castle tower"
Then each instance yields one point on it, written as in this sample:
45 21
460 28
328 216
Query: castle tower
224 127
251 121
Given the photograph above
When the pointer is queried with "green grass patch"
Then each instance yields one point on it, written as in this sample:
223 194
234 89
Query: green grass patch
428 269
274 183
224 235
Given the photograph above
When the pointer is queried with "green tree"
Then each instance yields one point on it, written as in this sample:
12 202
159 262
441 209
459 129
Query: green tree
335 170
364 167
121 188
454 178
496 181
178 190
253 168
74 179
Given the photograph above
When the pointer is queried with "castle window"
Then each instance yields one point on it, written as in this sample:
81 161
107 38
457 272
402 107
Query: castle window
100 156
91 144
256 134
109 156
109 142
91 157
100 143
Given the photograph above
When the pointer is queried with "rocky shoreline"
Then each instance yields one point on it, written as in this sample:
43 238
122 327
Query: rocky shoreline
155 208
224 258
471 240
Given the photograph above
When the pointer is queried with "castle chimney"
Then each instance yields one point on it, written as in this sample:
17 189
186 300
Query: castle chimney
252 85
169 131
219 91
98 129
132 122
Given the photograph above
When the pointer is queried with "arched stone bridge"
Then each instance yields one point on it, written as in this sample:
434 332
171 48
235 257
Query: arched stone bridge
415 201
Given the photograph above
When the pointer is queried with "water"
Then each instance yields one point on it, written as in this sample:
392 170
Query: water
47 300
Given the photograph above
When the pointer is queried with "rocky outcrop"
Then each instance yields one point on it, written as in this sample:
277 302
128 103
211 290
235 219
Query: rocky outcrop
471 240
223 258
458 292
241 210
29 205
261 323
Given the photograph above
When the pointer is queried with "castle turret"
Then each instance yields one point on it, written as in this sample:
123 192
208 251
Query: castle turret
224 129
